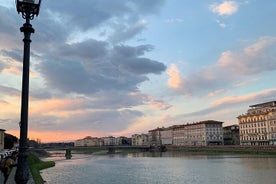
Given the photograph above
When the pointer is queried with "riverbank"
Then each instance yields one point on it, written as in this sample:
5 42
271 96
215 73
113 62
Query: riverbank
35 165
229 149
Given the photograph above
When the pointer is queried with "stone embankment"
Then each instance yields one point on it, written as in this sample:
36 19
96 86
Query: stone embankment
266 149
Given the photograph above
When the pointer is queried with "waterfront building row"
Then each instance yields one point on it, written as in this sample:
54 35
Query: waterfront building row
201 134
102 141
258 125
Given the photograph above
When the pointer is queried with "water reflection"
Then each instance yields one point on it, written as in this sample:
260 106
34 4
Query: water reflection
168 167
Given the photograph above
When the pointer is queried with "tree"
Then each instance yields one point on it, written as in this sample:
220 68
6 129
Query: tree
9 141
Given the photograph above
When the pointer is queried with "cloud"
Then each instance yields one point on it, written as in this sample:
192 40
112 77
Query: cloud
215 93
221 24
258 96
11 61
159 105
83 113
105 121
96 68
246 82
129 60
123 32
81 82
232 67
94 13
256 58
175 79
10 34
155 104
227 107
8 91
224 8
174 20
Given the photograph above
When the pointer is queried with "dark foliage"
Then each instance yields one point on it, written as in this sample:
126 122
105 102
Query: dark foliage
9 141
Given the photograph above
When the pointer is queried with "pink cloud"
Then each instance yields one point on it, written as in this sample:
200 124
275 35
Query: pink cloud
158 105
244 98
63 107
224 8
246 82
217 92
175 80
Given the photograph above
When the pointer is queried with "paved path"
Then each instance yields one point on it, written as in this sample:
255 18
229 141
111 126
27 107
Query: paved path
1 178
11 178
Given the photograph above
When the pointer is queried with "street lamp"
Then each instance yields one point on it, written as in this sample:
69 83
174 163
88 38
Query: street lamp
28 9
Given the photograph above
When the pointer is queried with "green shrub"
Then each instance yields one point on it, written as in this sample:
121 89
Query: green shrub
35 165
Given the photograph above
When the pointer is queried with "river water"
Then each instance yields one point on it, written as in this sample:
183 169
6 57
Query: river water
165 168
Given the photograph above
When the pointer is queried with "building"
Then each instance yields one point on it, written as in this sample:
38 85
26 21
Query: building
155 137
198 134
122 141
140 140
167 136
258 125
231 135
2 133
88 141
109 141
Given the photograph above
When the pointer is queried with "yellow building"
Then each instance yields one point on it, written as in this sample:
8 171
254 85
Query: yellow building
2 132
258 125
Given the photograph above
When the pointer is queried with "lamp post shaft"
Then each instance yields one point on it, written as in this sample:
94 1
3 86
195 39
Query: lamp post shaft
22 172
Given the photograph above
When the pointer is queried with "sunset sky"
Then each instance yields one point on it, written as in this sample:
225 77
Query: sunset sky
119 67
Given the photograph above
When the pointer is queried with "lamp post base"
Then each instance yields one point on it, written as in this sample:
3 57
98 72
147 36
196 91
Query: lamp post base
22 171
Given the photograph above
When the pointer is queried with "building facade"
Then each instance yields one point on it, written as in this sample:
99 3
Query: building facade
198 134
167 136
2 133
88 141
155 137
109 141
140 140
258 125
122 141
231 135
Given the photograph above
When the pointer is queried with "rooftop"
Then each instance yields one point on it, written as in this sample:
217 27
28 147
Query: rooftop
266 104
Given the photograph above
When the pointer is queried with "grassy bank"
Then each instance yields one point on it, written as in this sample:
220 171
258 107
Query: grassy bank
36 165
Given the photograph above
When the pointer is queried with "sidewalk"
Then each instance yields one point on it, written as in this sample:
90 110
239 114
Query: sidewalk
1 178
11 178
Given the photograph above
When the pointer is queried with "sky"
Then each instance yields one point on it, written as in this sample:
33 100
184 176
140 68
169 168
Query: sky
116 68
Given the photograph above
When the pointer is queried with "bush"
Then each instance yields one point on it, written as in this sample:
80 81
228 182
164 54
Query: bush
36 165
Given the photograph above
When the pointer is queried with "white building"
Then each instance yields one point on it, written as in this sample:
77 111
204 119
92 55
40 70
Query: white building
109 141
198 134
167 136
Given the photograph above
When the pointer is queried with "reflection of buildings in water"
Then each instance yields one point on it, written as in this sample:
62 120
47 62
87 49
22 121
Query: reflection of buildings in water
257 163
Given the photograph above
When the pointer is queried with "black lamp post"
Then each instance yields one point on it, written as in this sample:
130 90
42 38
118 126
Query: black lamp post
28 9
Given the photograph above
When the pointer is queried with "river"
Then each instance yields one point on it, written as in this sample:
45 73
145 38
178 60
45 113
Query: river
165 168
